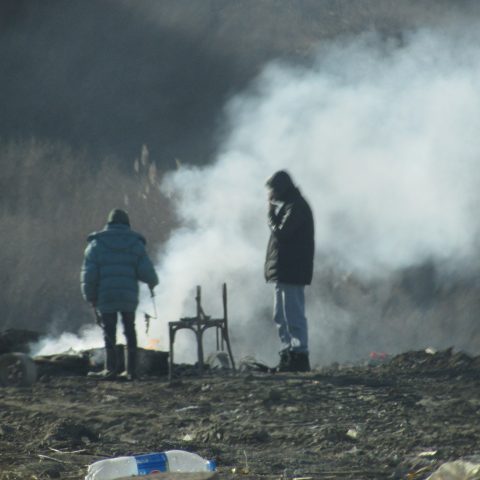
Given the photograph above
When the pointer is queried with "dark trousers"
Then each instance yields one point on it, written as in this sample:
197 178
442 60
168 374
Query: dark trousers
110 329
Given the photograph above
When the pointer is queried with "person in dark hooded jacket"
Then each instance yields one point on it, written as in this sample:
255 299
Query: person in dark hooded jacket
289 265
115 261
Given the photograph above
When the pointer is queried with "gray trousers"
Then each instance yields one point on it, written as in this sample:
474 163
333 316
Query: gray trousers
289 316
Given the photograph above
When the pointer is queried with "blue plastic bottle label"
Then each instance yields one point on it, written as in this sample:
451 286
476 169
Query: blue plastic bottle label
151 463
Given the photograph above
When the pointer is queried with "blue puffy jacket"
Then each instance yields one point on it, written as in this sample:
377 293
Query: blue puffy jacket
115 260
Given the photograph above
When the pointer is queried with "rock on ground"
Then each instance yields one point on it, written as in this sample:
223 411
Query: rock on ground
396 420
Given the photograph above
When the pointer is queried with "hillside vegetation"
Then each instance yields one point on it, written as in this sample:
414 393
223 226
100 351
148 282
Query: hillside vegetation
93 86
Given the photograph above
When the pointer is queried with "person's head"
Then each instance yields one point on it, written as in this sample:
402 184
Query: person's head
118 216
279 185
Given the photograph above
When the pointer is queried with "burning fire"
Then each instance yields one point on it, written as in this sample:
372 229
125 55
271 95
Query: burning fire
153 344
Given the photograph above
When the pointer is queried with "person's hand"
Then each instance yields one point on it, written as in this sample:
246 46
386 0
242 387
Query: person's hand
270 195
271 208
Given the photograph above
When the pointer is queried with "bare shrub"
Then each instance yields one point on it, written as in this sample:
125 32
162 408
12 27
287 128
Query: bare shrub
51 199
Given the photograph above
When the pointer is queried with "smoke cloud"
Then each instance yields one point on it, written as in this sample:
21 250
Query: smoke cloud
87 338
381 137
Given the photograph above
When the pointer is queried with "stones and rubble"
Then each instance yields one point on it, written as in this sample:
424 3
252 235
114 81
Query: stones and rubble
399 419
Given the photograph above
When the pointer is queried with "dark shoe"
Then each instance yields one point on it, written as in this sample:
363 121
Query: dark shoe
299 362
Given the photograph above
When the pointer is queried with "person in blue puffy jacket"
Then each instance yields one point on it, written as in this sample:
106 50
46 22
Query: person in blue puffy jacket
115 261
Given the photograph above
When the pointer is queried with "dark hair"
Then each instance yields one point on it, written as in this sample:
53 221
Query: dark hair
281 183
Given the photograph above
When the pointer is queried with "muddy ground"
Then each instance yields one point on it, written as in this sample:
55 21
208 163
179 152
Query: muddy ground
398 419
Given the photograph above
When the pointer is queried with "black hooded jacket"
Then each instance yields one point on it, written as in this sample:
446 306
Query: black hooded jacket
291 246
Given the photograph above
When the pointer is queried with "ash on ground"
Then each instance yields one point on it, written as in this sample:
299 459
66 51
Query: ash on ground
398 418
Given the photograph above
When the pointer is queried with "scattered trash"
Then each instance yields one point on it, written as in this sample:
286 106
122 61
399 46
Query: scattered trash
352 433
69 433
17 370
246 469
248 412
428 453
109 398
292 409
457 470
377 358
169 461
219 360
249 363
128 439
46 457
419 473
185 409
242 470
150 362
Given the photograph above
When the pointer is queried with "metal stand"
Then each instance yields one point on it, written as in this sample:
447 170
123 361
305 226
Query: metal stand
198 325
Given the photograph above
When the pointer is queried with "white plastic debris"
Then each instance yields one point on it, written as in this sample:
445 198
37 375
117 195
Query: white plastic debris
457 470
169 461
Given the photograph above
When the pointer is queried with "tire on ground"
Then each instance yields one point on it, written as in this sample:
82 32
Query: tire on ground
17 370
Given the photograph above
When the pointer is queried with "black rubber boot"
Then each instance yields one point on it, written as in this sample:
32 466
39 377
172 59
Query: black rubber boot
130 372
299 362
111 361
285 361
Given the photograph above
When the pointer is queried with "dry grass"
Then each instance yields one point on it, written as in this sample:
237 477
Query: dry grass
51 199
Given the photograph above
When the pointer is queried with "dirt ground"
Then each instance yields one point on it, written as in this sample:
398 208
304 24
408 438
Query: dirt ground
399 419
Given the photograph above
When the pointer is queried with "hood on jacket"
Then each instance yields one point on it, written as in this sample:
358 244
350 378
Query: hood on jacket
117 236
118 216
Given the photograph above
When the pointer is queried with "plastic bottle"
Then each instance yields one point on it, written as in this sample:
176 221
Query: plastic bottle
170 461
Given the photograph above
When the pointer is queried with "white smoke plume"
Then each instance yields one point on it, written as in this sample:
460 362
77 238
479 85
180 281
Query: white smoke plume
382 139
88 337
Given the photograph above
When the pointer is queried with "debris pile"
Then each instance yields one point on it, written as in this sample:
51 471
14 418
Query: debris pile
401 419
